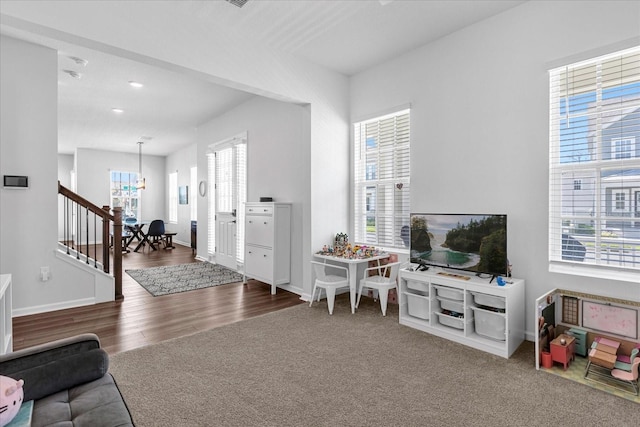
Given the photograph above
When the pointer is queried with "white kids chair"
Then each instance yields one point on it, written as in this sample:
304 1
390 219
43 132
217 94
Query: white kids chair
328 282
383 282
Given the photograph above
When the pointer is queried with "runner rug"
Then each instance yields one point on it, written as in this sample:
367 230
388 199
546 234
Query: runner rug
172 279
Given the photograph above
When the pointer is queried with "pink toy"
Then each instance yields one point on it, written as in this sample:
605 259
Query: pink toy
11 395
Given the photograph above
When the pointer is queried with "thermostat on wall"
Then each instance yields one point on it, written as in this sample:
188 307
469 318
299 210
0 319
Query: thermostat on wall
15 181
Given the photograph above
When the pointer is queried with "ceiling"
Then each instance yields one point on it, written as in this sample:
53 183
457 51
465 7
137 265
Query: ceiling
346 36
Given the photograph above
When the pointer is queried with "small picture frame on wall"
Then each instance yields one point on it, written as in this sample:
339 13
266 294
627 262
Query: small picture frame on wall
183 195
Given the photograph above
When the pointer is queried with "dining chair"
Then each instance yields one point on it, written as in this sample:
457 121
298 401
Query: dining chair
328 281
156 232
383 282
129 226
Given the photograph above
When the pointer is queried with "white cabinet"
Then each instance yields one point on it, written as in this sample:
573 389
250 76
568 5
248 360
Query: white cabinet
268 243
464 309
6 323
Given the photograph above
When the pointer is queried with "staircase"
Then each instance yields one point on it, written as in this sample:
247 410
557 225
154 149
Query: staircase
88 227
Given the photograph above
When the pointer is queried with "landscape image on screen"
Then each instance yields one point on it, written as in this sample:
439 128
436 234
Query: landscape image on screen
475 243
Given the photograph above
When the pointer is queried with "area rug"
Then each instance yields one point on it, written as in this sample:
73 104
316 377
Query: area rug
302 367
172 279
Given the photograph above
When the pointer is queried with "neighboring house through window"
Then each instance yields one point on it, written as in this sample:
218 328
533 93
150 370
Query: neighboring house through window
382 180
623 148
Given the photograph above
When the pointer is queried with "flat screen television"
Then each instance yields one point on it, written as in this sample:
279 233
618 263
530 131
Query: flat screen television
475 243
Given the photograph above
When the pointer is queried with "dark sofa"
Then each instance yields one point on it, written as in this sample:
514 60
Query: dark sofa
69 382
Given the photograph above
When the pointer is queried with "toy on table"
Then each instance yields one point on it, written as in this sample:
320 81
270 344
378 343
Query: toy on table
11 395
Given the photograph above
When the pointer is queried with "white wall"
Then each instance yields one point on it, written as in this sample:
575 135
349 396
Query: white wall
479 122
28 218
182 161
278 164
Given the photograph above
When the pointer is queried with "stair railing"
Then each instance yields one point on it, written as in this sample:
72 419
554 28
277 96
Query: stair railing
84 225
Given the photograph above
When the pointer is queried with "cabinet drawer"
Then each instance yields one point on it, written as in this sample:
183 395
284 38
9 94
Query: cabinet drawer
417 285
258 263
259 230
259 210
450 293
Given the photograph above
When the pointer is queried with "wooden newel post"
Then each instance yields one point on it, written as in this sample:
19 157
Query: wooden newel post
117 251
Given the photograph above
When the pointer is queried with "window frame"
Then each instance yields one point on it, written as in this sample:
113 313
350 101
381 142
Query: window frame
133 193
602 160
391 184
193 182
173 197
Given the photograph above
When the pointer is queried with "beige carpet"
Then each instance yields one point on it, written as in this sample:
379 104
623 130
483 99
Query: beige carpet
302 367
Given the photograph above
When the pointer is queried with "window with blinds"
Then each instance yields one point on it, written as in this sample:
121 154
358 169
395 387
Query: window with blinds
211 206
594 184
193 182
173 197
125 194
382 180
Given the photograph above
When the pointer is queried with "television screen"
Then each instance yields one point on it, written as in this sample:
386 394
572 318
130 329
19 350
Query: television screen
476 243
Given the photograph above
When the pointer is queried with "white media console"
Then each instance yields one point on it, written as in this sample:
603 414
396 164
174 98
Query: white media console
465 309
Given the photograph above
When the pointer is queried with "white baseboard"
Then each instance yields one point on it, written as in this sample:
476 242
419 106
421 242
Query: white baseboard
52 307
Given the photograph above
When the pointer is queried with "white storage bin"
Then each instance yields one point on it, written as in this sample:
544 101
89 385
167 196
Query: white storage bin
488 300
490 324
417 305
453 322
452 305
451 293
421 287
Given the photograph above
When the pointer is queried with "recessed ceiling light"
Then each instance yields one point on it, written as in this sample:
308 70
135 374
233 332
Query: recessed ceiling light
135 84
117 110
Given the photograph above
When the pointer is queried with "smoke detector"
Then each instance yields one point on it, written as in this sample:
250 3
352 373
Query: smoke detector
238 3
79 61
74 74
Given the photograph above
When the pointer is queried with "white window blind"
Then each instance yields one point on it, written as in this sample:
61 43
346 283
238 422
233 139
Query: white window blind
241 197
193 199
594 185
382 180
211 208
173 197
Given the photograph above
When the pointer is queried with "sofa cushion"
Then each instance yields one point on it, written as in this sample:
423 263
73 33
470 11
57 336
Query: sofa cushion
60 374
95 404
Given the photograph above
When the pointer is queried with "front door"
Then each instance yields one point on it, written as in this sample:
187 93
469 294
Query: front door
229 197
226 239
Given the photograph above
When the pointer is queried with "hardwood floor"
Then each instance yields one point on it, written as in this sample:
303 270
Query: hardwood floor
141 319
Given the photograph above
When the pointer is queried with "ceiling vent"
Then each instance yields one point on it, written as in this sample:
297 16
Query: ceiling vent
238 3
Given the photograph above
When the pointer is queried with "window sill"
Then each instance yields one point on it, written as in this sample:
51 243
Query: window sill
598 272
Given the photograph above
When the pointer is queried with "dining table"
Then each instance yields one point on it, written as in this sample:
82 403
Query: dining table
136 230
352 264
